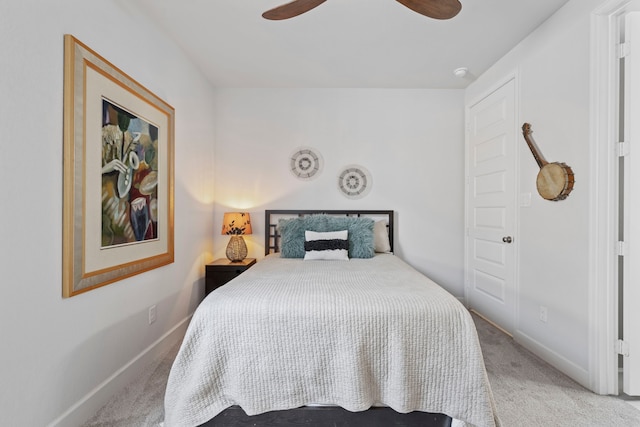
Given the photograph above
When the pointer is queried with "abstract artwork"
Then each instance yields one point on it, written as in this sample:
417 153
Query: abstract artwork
129 177
118 174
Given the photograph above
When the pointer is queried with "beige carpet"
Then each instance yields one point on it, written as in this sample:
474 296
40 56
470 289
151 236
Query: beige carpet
528 392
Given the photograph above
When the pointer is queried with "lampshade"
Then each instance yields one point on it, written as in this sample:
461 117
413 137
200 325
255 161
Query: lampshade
236 224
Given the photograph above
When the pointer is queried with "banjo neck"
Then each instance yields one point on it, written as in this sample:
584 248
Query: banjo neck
526 132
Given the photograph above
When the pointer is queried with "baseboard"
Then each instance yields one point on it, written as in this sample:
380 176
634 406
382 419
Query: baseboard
492 323
87 407
575 372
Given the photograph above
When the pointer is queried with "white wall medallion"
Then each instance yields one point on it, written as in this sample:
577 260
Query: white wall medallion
306 162
355 181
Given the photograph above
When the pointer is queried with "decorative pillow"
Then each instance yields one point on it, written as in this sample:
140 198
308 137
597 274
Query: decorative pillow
330 245
360 234
381 237
361 243
292 233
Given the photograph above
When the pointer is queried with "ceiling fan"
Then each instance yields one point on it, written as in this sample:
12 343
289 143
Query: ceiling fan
436 9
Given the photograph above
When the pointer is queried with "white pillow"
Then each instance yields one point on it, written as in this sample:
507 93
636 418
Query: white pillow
332 245
381 237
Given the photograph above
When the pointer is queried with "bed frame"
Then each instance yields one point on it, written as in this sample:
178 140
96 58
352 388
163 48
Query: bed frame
271 217
327 416
321 416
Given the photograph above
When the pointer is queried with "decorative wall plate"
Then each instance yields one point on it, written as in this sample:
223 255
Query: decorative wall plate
306 163
355 181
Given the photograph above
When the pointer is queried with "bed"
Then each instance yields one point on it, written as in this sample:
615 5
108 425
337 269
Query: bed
367 340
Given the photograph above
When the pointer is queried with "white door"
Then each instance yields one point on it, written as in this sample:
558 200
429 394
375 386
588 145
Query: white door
490 207
631 217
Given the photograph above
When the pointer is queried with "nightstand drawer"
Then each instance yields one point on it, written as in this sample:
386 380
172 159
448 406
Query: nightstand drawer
222 270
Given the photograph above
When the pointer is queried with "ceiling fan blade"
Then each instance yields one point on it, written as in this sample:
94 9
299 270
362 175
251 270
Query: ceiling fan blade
291 9
436 9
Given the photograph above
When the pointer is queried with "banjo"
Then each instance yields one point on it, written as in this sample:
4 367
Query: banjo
555 180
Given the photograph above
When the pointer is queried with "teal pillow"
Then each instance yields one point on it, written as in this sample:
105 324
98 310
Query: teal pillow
361 237
292 233
361 242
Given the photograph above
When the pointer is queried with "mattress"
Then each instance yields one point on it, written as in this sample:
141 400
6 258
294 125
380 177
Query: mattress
358 333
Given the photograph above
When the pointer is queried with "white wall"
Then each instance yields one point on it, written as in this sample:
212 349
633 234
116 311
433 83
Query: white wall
55 351
553 74
412 142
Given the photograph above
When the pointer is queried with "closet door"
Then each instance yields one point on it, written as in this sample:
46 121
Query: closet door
490 207
631 217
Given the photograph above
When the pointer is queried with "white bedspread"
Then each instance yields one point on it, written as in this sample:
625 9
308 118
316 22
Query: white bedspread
288 333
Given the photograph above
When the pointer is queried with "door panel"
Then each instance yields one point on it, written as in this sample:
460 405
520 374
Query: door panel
490 207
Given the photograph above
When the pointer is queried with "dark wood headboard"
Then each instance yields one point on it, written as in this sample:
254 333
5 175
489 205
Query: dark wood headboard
271 217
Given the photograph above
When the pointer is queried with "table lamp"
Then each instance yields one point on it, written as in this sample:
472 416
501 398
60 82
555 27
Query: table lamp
236 224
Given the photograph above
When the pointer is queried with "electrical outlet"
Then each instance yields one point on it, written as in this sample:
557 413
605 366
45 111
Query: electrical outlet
152 314
543 314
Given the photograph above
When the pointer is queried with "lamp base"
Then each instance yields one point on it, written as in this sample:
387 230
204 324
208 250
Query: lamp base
236 249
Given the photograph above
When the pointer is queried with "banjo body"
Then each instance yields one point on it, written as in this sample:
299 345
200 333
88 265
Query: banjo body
555 180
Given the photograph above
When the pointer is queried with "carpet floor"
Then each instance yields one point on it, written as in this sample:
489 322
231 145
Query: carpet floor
528 392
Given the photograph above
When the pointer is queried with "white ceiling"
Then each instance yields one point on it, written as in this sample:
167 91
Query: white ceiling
344 43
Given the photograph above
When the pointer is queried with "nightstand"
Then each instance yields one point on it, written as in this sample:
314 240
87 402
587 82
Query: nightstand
220 271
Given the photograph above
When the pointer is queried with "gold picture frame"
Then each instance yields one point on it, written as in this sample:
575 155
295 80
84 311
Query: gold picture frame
118 196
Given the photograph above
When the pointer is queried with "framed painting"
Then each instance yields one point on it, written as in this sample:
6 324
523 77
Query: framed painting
118 174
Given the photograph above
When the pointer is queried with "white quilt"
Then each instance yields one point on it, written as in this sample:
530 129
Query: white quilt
358 333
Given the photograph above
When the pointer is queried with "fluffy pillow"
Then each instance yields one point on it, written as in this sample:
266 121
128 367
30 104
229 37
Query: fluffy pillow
381 237
292 233
360 234
330 245
361 243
